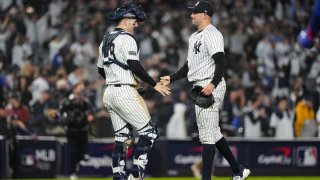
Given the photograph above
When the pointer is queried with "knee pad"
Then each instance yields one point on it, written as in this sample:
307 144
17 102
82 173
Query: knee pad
149 131
125 135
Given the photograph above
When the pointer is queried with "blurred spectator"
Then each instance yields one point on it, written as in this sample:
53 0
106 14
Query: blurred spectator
24 89
12 77
299 90
21 51
305 123
4 127
250 76
254 115
176 127
282 120
83 51
55 11
76 76
18 115
38 85
45 116
66 57
38 122
55 44
148 44
36 25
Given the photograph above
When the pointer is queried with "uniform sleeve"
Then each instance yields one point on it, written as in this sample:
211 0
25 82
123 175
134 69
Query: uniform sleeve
214 43
100 58
130 48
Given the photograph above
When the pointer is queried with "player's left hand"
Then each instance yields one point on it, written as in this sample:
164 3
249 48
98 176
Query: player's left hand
208 89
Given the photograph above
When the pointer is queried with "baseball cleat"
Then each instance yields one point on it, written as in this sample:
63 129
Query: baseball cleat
73 176
242 175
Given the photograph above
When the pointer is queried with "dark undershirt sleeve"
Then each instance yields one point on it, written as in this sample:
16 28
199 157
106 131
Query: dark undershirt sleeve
101 72
181 73
138 70
220 64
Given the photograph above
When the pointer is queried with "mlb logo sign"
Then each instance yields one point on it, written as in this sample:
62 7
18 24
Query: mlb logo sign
28 160
307 156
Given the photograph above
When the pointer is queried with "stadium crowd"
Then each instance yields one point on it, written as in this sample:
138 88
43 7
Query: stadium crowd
49 46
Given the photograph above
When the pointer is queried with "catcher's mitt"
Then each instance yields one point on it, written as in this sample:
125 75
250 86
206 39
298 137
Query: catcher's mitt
200 99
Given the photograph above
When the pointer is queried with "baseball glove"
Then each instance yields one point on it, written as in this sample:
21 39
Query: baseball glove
200 99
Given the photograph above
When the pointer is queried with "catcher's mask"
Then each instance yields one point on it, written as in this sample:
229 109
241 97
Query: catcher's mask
201 99
128 10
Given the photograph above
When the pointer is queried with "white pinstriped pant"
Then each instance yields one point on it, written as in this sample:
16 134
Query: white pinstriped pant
208 119
125 105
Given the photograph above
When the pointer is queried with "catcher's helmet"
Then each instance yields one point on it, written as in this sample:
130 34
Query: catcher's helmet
128 10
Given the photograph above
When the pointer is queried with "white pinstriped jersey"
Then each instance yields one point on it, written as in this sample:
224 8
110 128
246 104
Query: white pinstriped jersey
125 48
123 103
202 46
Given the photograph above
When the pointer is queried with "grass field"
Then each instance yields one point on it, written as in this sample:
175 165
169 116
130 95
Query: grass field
214 178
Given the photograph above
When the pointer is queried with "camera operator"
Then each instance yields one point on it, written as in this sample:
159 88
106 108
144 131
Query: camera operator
76 115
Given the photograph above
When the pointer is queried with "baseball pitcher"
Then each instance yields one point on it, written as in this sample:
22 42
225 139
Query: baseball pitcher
205 67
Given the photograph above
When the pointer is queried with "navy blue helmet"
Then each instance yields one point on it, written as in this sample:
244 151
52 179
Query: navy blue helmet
128 10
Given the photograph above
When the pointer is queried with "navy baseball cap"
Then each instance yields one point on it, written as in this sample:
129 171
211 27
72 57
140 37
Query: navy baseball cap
202 7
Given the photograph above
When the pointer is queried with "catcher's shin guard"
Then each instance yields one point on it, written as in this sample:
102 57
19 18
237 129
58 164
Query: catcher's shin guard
118 161
139 166
148 135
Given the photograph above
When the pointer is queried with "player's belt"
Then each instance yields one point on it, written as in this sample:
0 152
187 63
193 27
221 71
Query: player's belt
119 85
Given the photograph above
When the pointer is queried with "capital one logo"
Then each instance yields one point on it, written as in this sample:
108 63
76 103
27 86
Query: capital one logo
189 156
307 156
280 155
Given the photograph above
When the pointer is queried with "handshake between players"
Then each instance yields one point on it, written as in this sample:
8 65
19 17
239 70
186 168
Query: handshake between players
162 89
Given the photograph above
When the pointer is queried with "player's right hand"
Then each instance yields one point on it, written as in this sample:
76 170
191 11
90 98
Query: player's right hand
164 90
165 80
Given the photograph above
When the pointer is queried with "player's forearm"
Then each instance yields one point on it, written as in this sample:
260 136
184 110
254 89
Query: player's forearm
101 72
138 70
181 73
220 64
